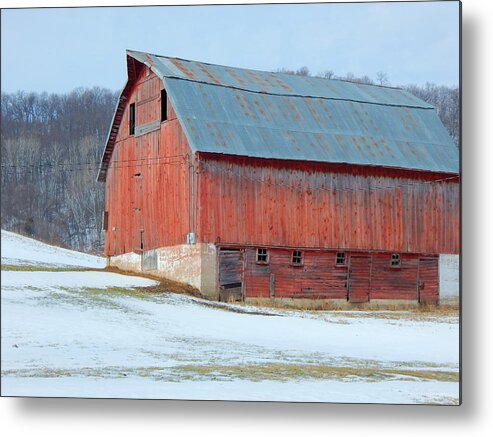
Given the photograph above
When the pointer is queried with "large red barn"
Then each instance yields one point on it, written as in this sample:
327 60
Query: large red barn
261 186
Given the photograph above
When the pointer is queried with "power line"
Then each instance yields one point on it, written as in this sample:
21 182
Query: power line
94 167
172 160
89 163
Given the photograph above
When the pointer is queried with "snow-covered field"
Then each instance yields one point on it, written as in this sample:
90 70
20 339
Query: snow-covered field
19 250
92 334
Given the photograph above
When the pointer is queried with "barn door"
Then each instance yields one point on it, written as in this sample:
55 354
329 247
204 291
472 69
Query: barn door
231 274
359 278
137 220
428 289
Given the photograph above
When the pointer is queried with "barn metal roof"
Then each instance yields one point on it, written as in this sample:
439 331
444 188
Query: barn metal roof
275 115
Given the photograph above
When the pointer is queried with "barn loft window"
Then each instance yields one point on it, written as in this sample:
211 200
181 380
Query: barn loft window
297 258
395 260
262 256
164 105
340 259
131 122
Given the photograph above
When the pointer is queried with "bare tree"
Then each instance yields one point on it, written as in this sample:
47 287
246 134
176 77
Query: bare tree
382 78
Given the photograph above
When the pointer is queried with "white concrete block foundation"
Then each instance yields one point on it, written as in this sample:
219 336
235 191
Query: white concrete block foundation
449 276
193 264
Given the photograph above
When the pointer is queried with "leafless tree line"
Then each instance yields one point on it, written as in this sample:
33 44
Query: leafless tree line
51 144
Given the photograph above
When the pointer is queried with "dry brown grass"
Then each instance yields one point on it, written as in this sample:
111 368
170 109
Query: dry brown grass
251 372
275 371
164 285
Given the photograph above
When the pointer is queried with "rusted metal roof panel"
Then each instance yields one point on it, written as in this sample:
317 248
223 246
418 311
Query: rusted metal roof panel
231 121
273 115
275 83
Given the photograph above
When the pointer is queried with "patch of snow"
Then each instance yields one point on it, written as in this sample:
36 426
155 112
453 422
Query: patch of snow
71 334
42 280
390 392
63 334
18 250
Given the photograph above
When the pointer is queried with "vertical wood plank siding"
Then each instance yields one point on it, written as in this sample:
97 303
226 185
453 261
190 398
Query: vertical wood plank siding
365 277
317 277
360 278
269 203
428 280
146 191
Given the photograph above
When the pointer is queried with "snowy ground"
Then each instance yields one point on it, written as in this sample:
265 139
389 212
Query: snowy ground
91 334
19 250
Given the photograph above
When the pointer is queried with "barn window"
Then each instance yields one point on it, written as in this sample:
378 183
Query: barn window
262 256
164 105
131 122
395 260
340 259
297 258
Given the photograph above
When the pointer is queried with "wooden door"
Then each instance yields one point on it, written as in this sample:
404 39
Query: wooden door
428 285
359 278
231 274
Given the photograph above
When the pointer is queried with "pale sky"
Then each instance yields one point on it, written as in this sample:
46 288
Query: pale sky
57 50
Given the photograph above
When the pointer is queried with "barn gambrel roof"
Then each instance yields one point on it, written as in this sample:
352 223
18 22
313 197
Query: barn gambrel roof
261 114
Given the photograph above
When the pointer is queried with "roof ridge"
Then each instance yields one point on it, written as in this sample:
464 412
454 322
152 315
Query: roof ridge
307 96
275 72
276 84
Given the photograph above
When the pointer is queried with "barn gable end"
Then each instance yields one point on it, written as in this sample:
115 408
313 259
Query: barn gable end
147 174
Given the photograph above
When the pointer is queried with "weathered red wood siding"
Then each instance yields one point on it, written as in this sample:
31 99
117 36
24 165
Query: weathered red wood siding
318 277
428 276
146 185
365 277
394 282
279 203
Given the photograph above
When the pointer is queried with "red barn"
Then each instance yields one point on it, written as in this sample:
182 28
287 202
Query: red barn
260 186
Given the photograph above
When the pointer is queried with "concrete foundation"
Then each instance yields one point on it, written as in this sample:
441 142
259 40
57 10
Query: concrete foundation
130 262
449 276
193 264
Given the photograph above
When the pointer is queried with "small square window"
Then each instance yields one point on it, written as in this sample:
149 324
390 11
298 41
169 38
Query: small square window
340 259
395 260
262 256
297 258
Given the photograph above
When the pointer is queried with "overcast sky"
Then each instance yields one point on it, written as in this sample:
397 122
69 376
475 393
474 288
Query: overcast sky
56 50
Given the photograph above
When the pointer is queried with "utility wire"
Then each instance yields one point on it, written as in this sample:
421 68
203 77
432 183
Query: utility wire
116 165
90 163
93 167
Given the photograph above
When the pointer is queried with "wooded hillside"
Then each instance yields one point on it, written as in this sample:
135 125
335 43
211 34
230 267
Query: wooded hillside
51 147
